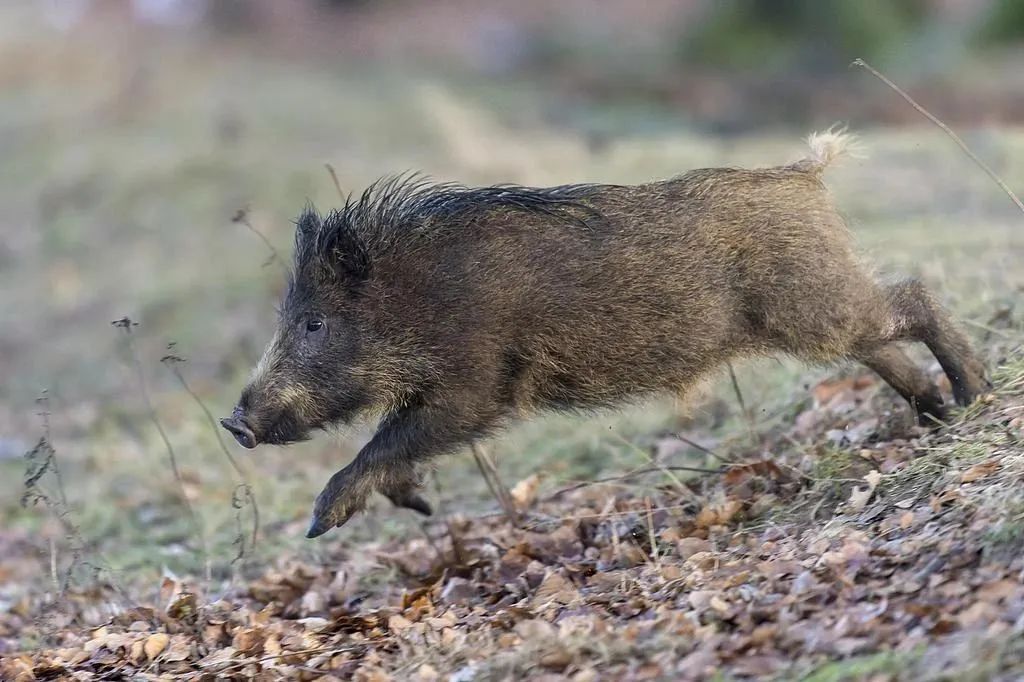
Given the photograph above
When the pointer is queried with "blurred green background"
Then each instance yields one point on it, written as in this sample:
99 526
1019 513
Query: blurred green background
132 132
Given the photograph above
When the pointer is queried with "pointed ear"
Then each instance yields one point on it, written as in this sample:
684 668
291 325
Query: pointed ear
307 226
344 250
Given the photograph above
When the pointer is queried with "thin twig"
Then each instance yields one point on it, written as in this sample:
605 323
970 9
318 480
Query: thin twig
628 475
493 480
337 185
458 551
126 325
985 327
616 514
650 535
242 217
706 450
751 423
945 128
285 654
171 362
646 455
53 564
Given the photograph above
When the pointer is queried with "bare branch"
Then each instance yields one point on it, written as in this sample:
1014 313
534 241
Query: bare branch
945 128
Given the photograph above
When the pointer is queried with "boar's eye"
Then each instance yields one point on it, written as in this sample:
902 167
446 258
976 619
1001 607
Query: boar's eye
314 325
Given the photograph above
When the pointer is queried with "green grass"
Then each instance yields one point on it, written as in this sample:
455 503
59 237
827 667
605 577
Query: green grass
889 663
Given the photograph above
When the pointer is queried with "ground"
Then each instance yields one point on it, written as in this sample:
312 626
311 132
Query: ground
810 533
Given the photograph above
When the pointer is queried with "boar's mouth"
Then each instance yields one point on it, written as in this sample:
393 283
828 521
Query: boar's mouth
239 427
284 429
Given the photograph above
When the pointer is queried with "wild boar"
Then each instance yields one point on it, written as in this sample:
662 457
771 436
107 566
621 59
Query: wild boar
449 310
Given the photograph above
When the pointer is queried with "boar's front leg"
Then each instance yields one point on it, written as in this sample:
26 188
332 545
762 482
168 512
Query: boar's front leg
388 463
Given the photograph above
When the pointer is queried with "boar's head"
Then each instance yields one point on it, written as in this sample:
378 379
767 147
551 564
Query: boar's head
324 364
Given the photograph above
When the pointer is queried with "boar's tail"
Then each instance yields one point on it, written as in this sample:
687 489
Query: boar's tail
826 147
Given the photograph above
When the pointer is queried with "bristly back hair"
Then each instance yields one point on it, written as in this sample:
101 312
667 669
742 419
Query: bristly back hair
411 204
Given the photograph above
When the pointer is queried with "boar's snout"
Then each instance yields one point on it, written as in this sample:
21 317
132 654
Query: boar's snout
239 427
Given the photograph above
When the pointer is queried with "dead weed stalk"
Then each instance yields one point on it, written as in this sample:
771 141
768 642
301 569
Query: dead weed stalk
243 496
125 324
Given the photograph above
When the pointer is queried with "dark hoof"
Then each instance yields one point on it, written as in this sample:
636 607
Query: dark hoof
412 501
972 384
317 527
335 518
931 411
343 497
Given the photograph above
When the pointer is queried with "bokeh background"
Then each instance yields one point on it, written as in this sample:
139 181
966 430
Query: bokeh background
153 154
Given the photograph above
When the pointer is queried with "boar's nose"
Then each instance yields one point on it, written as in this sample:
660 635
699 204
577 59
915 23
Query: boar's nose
239 428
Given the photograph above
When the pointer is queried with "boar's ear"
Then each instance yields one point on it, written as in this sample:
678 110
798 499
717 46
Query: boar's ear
306 227
343 250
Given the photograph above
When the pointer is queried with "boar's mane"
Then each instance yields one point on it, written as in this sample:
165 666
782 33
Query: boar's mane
410 206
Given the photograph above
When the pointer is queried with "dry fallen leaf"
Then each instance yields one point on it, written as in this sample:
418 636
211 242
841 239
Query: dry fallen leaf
555 588
718 514
248 641
525 492
137 654
399 623
859 497
980 470
840 390
155 644
179 650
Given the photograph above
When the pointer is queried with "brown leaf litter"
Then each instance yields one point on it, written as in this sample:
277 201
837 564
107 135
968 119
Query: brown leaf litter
900 557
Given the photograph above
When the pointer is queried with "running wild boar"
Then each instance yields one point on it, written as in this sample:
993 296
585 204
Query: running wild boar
447 310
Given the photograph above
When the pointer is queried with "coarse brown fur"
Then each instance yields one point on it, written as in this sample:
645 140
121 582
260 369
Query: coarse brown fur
451 310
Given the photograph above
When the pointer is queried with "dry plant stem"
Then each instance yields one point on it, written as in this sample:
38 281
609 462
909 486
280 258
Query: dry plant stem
707 451
246 485
243 217
494 483
209 417
458 552
59 508
751 424
628 475
666 470
126 325
334 178
604 515
945 128
991 330
44 400
53 564
655 557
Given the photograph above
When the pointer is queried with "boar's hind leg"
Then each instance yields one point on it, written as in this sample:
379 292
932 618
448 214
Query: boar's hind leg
900 372
916 315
